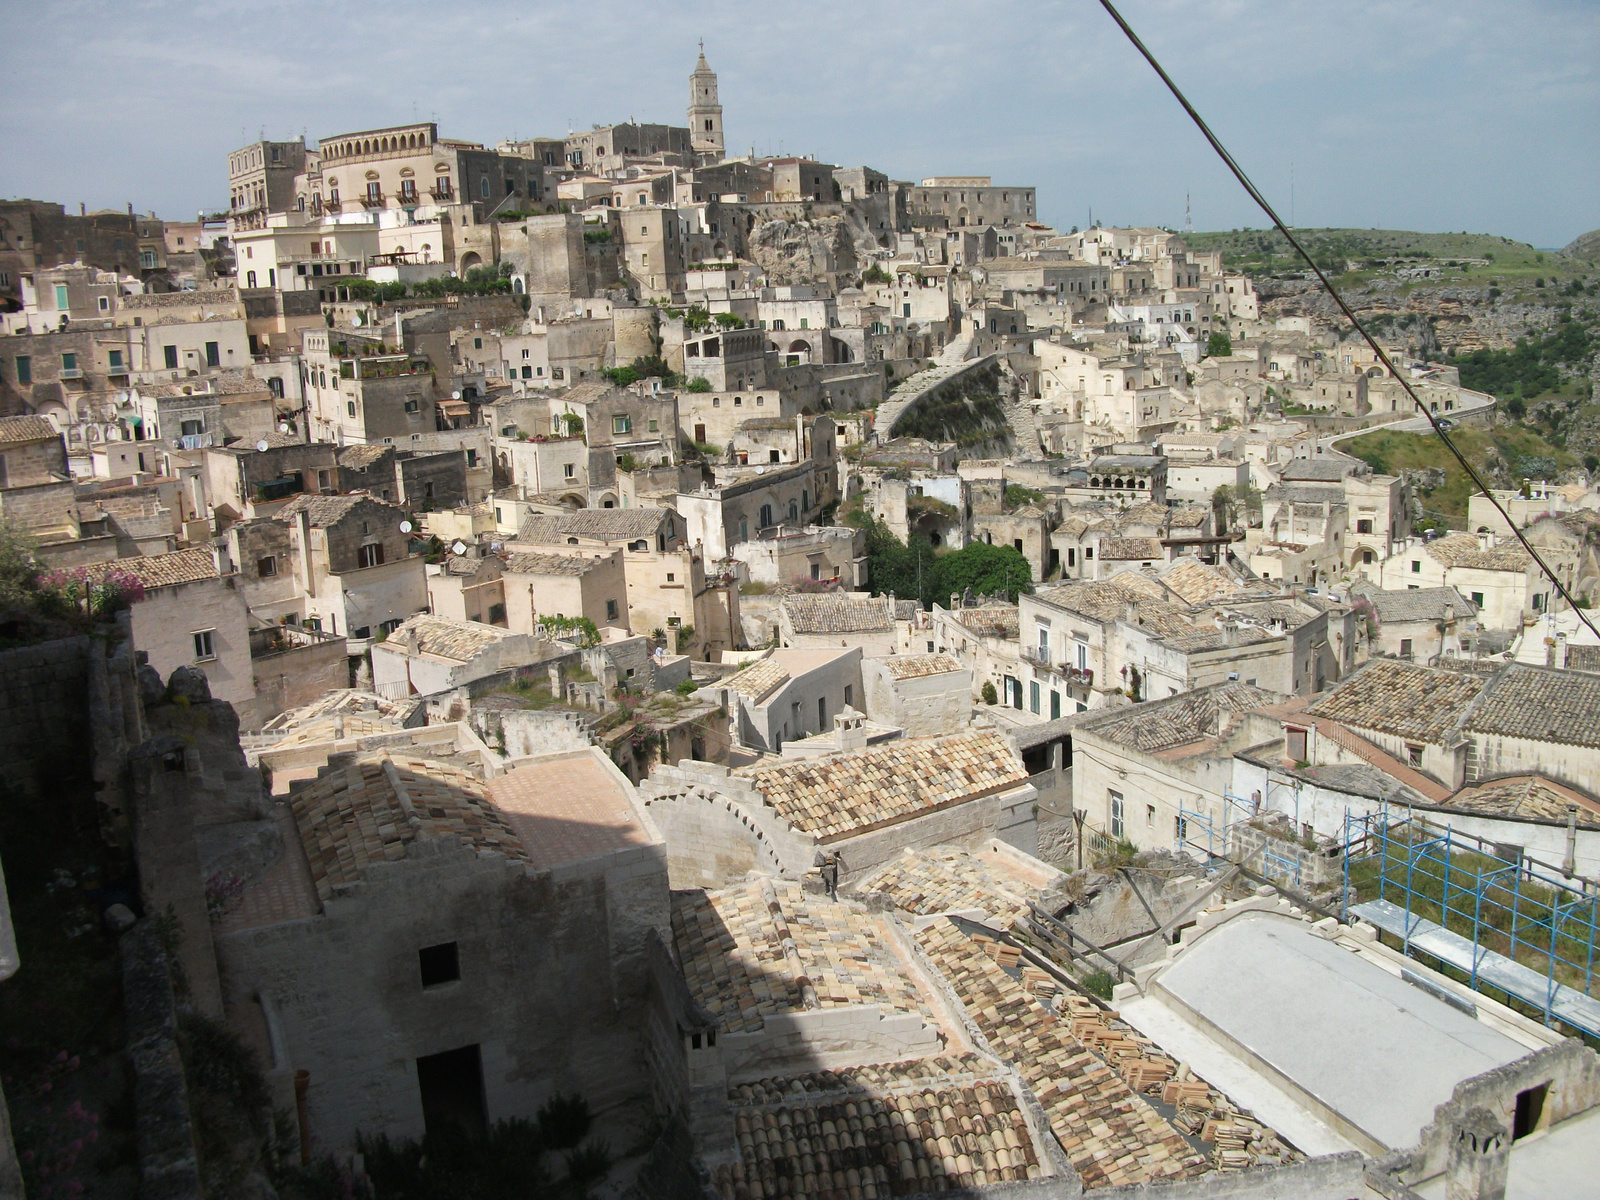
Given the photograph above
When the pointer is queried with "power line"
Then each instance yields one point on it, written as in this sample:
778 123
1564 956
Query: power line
1383 357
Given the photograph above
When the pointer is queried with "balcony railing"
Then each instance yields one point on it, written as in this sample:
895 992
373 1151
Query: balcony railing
1082 676
71 373
1039 656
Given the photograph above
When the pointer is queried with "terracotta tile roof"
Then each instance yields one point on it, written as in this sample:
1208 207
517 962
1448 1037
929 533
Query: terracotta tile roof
990 620
916 666
1178 720
1401 699
1540 704
470 566
1583 658
748 952
330 510
607 524
14 430
163 570
757 681
835 613
358 457
1197 582
1126 549
461 641
355 816
830 797
1423 604
929 1125
1465 550
944 880
530 563
1111 1134
1525 796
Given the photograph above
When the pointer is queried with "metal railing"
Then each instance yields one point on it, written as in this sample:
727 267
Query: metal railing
1512 907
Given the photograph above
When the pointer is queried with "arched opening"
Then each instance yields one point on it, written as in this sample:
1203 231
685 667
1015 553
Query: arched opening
720 250
799 352
469 260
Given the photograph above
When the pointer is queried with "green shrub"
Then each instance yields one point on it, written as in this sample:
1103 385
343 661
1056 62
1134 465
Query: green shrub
698 384
990 696
564 1121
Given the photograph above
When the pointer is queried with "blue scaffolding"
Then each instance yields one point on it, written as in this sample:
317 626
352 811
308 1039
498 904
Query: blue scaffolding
1444 893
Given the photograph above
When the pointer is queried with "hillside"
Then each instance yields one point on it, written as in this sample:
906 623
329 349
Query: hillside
1464 257
1585 247
1505 456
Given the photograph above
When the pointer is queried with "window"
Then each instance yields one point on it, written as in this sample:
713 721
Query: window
170 356
822 712
24 368
191 428
213 355
1150 816
1363 526
1033 697
621 423
1477 598
671 577
1416 566
439 964
1114 800
61 296
69 361
1297 744
1366 556
1055 705
413 404
370 555
204 649
1413 755
267 567
655 426
1405 647
568 470
350 407
639 546
611 610
114 358
477 343
105 303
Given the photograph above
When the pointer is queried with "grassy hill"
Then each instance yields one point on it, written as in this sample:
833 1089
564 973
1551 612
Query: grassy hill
1505 456
1466 257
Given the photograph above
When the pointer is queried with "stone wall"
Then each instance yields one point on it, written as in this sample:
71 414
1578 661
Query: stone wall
44 724
169 1166
552 977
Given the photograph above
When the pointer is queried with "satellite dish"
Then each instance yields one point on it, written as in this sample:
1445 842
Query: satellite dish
460 547
262 445
455 395
283 427
405 526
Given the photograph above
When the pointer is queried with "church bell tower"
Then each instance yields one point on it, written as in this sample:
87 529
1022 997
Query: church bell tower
705 112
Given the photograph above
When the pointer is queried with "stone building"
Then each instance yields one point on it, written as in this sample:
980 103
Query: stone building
431 948
920 694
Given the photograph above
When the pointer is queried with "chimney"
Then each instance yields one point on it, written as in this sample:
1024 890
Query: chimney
849 729
130 208
1230 633
1130 612
83 209
1480 1153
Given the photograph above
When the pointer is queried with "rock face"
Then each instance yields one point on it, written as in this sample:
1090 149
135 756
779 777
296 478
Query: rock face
802 248
190 684
1452 320
1585 246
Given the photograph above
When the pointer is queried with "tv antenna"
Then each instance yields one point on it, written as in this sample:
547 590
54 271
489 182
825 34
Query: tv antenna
1188 218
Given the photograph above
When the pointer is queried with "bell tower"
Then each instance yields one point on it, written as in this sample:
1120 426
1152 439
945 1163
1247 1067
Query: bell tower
705 112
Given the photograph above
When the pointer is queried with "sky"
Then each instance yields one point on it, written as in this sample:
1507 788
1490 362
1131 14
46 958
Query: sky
1466 115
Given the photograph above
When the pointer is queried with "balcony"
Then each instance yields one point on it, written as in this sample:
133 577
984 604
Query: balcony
1039 656
71 373
443 194
1080 677
373 201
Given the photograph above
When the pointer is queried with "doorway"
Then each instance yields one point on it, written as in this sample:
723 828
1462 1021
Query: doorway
453 1100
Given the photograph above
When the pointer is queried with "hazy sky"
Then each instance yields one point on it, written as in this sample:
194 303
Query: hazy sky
1479 115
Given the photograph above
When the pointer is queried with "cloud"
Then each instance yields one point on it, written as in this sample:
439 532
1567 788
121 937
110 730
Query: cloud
1432 114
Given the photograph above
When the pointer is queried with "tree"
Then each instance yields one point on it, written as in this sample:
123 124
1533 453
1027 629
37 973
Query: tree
1223 505
1515 408
990 696
1218 345
983 568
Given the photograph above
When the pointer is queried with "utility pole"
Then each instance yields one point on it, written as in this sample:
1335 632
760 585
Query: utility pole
1188 217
